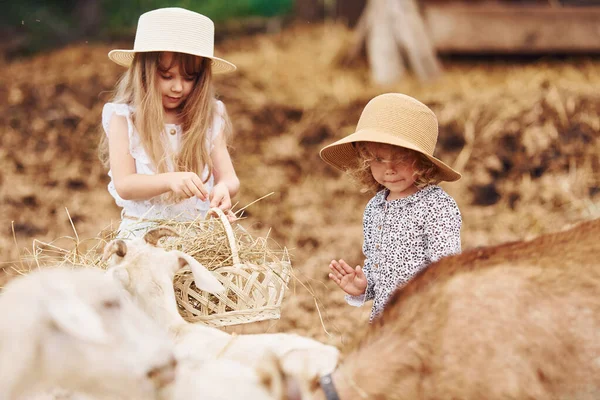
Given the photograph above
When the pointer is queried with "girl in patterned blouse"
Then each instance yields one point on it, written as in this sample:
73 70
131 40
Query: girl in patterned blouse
411 221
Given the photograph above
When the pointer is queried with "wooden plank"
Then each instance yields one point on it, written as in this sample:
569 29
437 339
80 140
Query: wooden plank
529 29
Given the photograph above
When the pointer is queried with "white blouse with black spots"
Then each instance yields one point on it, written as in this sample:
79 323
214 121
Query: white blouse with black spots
403 236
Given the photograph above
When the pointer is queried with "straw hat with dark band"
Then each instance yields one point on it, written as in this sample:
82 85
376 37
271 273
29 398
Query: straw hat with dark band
395 119
177 30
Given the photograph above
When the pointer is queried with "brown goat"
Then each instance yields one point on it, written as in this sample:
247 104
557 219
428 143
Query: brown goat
515 321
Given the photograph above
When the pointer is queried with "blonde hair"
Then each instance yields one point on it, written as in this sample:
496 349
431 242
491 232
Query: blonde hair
138 88
426 173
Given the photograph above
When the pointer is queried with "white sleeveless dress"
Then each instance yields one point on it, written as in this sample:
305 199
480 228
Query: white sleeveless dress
135 214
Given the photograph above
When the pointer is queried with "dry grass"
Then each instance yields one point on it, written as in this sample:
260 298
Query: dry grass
525 135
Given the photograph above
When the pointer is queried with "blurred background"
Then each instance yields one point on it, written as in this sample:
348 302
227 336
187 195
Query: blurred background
514 85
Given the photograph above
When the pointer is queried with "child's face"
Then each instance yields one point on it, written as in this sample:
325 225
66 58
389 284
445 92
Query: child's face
174 85
392 167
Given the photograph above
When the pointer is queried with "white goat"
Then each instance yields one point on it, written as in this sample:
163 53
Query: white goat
225 379
58 394
147 272
76 329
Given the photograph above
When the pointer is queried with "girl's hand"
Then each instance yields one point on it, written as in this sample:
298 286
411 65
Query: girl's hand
350 280
231 217
186 184
219 197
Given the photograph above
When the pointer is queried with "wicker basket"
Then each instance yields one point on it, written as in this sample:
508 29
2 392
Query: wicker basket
252 292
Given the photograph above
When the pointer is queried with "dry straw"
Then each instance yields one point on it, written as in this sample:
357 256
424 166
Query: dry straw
253 272
254 276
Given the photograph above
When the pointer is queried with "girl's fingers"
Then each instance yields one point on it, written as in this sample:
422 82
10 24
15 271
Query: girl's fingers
225 204
335 279
359 272
191 187
346 268
216 200
203 194
198 182
195 190
335 272
231 216
186 191
335 267
332 269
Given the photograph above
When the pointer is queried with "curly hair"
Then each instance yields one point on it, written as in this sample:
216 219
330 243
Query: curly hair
426 173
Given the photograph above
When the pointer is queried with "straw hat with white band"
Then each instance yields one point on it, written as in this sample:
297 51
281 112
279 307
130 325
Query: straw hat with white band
177 30
395 119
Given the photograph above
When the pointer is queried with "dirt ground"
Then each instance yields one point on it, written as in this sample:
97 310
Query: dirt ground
524 134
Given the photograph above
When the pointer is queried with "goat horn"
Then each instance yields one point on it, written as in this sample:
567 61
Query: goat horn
153 235
117 246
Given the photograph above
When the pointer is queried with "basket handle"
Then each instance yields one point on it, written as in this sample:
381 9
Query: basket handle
228 232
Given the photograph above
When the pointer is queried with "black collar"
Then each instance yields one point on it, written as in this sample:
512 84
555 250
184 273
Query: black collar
326 382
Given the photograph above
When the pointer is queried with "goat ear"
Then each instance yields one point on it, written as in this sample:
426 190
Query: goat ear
119 274
76 318
203 278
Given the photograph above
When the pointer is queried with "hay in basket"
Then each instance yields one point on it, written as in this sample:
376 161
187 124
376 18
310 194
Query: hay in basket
254 274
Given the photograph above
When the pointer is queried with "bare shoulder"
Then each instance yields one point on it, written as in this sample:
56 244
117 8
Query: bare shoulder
117 123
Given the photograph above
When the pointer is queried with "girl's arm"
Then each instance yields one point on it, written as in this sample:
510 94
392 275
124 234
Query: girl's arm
370 291
133 186
442 227
227 183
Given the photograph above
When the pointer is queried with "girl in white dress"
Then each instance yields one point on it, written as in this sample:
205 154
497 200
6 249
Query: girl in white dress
166 133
